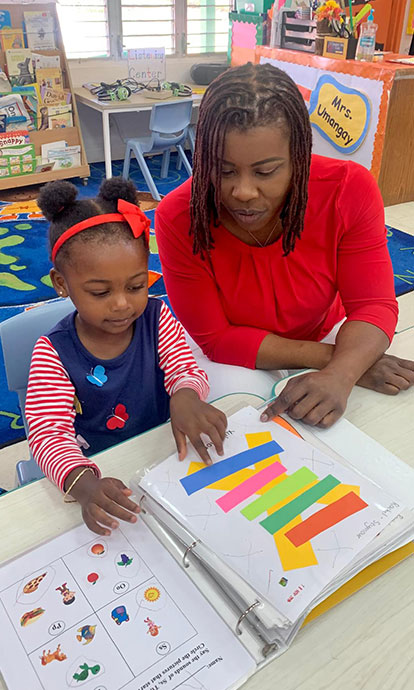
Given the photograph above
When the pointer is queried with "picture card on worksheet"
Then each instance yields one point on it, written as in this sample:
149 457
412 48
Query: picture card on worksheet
282 514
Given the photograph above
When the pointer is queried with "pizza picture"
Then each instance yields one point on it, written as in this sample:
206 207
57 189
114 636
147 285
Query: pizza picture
33 584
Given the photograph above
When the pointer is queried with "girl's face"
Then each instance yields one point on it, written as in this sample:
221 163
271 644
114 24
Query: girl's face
108 284
256 175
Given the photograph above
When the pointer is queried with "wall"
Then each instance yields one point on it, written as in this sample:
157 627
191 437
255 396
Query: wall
130 124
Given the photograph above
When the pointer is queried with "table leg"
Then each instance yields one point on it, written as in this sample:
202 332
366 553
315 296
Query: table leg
107 144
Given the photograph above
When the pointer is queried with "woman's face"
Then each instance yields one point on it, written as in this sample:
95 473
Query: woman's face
256 175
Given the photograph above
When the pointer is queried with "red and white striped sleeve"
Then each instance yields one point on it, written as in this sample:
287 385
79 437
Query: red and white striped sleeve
176 359
50 415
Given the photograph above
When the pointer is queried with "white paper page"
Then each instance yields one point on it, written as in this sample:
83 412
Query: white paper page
287 575
112 613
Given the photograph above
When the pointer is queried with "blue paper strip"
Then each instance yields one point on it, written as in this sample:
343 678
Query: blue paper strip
218 470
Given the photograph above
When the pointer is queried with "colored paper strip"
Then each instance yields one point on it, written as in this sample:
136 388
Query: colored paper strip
292 558
338 492
218 470
239 494
258 438
280 492
281 517
325 518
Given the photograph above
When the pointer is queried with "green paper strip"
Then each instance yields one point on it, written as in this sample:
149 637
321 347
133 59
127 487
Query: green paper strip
278 493
284 515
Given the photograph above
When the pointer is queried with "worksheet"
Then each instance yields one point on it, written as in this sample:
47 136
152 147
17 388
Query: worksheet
110 613
283 515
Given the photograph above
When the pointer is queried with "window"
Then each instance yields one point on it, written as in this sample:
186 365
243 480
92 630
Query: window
148 24
108 28
207 26
84 26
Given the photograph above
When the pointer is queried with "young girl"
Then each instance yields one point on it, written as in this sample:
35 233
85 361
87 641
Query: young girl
116 366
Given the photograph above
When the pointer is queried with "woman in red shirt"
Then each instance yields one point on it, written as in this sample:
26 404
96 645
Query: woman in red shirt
268 248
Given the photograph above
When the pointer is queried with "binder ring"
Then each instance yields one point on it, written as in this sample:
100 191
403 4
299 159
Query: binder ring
243 616
187 551
140 504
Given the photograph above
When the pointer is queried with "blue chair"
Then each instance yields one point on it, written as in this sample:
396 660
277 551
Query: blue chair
169 127
18 337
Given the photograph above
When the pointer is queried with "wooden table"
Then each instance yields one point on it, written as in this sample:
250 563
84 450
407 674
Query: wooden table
365 643
134 104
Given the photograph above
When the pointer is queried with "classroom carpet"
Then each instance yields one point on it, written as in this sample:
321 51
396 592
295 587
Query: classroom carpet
24 263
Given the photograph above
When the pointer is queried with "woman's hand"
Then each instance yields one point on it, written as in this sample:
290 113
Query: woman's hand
191 417
318 398
390 375
102 500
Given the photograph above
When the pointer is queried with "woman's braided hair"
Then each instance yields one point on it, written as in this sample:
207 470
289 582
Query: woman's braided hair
242 98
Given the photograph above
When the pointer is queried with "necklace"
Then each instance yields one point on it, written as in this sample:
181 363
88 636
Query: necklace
264 244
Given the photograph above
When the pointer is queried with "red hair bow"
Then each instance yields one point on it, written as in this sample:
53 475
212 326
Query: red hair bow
136 219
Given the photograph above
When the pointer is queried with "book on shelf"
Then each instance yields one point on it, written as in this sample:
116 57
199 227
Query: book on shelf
16 138
13 107
60 116
18 159
31 99
42 167
51 96
5 86
5 19
40 30
11 38
20 66
65 158
224 566
50 77
46 61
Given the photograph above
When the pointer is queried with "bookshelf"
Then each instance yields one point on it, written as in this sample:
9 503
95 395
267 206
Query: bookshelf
72 135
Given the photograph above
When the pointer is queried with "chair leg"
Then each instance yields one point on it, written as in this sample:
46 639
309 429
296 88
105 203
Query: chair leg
147 175
165 163
184 159
191 137
127 162
179 163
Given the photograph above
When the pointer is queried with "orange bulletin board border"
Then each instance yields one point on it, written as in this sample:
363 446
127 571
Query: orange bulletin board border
410 23
373 71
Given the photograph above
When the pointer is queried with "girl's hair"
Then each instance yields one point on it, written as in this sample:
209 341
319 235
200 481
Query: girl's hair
60 206
242 98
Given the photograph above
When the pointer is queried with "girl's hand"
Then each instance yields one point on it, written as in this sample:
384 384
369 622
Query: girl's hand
191 417
318 398
102 500
390 375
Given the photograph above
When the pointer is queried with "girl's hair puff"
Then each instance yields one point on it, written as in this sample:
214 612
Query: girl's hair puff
243 98
59 204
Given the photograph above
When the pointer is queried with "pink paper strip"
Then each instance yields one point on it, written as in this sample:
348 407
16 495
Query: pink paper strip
237 495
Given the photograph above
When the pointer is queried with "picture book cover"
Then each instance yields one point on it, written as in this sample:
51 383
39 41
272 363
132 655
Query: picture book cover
52 96
5 20
60 116
40 30
283 515
51 77
45 61
31 98
5 86
11 39
19 66
13 107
